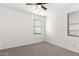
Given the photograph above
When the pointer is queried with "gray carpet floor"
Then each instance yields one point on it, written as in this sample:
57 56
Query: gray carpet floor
38 49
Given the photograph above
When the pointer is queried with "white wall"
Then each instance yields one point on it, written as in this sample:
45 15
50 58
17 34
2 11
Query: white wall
16 28
29 8
57 27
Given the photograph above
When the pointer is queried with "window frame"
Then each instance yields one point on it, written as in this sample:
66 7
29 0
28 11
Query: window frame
36 26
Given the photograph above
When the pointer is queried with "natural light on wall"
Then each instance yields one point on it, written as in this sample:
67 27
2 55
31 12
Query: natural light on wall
49 23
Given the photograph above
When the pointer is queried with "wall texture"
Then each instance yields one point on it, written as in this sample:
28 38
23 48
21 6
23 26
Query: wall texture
16 28
57 28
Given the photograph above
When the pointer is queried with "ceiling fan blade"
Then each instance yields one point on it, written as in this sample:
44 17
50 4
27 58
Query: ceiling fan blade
41 3
43 7
36 3
30 3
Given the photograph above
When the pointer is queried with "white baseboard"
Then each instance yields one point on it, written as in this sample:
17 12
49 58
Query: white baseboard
64 47
21 45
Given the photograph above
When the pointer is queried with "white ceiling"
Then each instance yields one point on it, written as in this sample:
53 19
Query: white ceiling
33 9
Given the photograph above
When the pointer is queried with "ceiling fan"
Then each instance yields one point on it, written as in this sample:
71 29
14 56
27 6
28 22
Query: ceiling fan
38 4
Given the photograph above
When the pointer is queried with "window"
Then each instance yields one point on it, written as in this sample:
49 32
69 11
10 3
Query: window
73 24
37 26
